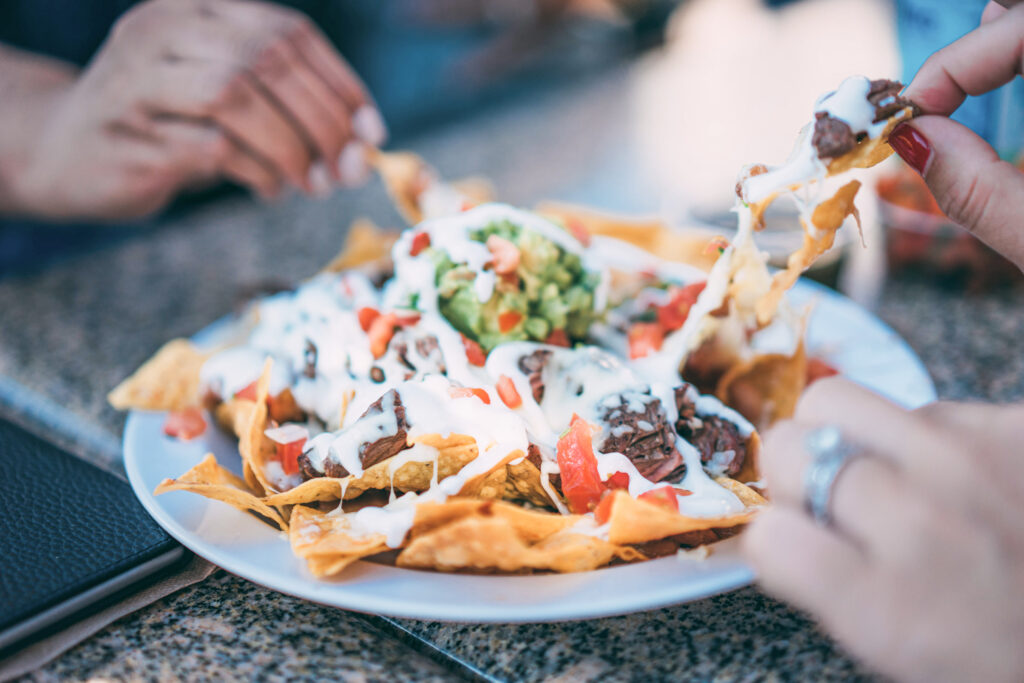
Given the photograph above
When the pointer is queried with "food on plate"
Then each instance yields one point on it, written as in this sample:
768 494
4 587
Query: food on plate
503 390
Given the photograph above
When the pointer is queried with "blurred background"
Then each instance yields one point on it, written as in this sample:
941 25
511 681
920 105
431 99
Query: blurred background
673 98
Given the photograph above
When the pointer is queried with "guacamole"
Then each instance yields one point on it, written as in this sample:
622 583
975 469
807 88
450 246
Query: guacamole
548 297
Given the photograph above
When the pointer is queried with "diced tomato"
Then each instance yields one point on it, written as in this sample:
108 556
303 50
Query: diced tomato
619 480
406 318
673 314
420 241
381 330
579 231
558 338
603 511
249 392
185 424
819 369
664 496
474 352
577 465
508 320
645 338
288 454
366 316
505 253
467 392
507 392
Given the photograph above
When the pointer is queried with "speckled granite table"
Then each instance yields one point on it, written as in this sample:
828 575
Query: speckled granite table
69 333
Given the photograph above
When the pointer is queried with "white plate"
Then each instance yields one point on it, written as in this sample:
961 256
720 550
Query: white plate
854 340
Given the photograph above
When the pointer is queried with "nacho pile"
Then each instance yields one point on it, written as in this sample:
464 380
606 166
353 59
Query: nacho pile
502 390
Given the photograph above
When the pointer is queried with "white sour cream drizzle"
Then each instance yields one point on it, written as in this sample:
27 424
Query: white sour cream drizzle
586 381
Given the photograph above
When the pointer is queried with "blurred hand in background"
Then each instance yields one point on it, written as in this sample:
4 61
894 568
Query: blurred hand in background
182 94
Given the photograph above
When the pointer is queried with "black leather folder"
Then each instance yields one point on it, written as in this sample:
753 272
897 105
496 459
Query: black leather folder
73 538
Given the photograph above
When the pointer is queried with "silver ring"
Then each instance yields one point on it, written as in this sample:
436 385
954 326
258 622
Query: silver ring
830 453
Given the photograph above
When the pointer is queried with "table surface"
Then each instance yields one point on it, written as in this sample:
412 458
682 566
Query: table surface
71 332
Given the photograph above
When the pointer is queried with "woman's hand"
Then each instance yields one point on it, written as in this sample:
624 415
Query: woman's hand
185 92
922 571
969 181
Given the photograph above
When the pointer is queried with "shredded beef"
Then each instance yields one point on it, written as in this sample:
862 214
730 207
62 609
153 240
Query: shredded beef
380 450
832 137
714 437
310 356
649 446
533 455
885 95
427 348
533 367
370 453
306 468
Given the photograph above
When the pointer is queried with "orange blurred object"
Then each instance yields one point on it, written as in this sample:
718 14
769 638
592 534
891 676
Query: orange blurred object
920 238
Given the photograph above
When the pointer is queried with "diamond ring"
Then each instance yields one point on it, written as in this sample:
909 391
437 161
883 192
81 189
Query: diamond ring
830 453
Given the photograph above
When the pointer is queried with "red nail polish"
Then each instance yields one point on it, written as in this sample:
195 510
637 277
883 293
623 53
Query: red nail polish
912 147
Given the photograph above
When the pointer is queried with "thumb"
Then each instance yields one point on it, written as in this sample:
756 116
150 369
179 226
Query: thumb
969 181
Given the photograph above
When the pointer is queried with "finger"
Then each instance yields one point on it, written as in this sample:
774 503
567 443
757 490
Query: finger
803 563
993 10
994 430
982 60
926 454
320 116
354 165
971 184
938 460
201 152
321 56
870 498
232 100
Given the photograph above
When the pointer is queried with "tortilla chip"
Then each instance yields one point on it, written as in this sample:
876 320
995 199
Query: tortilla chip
523 483
530 525
751 469
826 220
212 481
167 381
689 245
504 537
637 521
453 453
748 496
405 175
365 244
871 151
226 413
320 538
476 189
766 387
251 422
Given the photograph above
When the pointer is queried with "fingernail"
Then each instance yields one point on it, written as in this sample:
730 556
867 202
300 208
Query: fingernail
912 147
369 126
352 166
319 179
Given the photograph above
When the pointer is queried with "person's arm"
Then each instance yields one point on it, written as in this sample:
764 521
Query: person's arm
29 87
185 93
